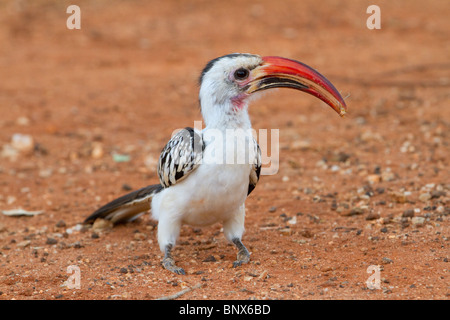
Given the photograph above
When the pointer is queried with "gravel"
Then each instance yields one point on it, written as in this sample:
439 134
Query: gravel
408 213
418 221
51 241
386 260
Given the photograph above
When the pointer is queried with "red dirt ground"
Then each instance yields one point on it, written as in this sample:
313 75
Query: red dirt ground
368 189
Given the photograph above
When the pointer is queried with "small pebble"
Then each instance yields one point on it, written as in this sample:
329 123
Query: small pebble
326 268
408 213
424 197
24 244
23 121
210 258
126 187
373 216
77 245
46 173
387 176
387 260
399 197
51 241
22 142
335 168
140 236
373 178
286 231
97 150
436 194
121 157
263 275
293 220
61 224
355 211
418 221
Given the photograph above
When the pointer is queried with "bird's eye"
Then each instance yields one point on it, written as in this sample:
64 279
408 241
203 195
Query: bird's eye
241 74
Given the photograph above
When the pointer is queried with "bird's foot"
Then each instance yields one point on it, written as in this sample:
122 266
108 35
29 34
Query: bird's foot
243 255
169 264
239 262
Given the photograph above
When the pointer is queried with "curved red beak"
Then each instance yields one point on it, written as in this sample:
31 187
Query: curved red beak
278 72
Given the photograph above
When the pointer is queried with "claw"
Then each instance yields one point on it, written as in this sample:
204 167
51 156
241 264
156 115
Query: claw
243 255
169 264
238 263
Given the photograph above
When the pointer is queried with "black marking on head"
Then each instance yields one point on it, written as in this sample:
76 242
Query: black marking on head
211 63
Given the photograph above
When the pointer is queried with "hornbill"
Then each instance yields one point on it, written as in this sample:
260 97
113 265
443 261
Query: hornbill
201 181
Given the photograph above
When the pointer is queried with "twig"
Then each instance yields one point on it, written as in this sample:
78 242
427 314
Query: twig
180 293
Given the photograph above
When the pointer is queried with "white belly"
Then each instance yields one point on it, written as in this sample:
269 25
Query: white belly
213 192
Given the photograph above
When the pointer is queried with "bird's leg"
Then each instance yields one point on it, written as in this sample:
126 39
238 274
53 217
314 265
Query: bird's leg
168 262
243 256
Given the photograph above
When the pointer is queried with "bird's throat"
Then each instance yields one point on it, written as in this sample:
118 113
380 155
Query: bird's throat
239 102
232 114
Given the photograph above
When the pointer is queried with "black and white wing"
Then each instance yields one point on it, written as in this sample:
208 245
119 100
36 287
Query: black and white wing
256 168
127 207
182 155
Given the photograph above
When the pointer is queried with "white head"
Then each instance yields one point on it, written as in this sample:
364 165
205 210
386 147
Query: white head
227 83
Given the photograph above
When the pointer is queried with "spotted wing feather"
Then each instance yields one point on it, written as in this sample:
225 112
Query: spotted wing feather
181 156
256 169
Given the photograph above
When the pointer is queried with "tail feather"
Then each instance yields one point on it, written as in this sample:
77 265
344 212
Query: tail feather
127 207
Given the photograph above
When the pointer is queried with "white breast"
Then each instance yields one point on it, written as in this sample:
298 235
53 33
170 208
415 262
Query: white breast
216 189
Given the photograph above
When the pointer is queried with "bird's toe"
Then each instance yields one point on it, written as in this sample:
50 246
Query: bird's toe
170 265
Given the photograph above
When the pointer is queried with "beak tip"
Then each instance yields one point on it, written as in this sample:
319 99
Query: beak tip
342 110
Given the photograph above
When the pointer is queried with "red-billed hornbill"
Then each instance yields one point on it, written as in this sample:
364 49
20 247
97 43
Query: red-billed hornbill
196 186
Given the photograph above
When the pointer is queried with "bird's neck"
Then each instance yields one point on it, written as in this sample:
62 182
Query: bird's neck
226 116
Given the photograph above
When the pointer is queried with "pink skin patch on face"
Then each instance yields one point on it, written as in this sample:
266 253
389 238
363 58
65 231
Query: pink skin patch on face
238 102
